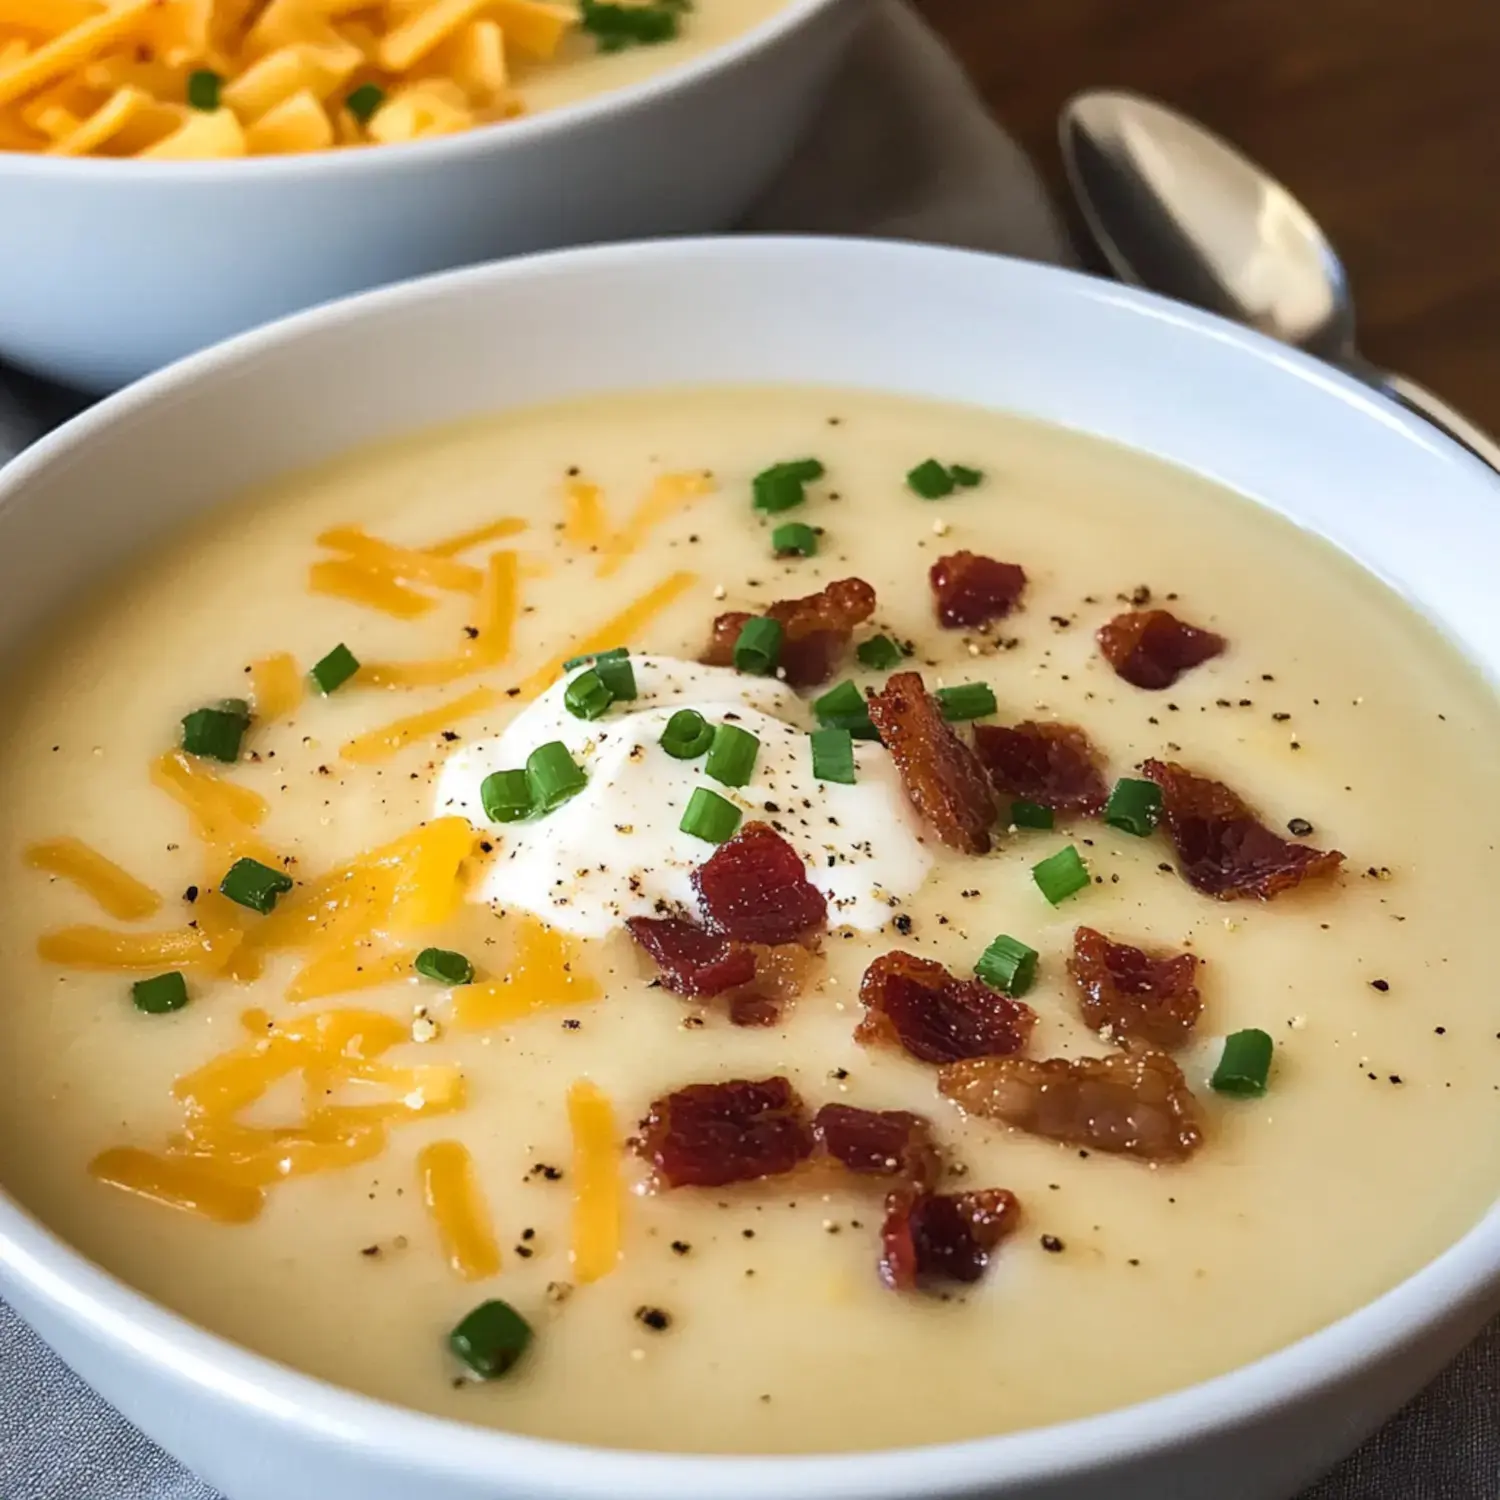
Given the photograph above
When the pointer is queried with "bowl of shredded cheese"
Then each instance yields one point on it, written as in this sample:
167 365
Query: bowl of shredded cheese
175 171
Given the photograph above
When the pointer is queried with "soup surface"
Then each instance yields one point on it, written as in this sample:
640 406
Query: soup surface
751 1315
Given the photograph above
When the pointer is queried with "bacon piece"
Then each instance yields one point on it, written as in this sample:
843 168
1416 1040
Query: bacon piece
942 776
1053 765
817 630
1152 648
753 1010
879 1143
692 960
930 1237
1223 849
755 889
1136 1103
973 590
1148 999
711 1134
915 1003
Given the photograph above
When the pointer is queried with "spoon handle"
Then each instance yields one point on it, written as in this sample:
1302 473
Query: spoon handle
1424 403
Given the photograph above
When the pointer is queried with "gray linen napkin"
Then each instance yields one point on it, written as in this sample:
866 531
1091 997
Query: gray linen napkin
905 150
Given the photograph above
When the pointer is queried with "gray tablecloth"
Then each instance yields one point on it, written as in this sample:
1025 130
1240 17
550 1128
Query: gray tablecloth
904 149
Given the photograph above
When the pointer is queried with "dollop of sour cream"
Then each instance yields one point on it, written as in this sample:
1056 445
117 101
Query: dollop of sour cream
616 851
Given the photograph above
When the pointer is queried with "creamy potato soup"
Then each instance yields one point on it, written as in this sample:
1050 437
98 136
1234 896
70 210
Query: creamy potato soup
994 1040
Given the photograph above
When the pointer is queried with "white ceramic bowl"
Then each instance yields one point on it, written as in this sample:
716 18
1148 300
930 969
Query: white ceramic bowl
110 269
1289 432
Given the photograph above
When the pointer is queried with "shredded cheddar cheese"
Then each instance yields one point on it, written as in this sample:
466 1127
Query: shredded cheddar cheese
117 891
382 744
277 686
178 1183
544 973
597 1212
405 563
670 494
346 967
464 541
87 947
586 524
373 587
452 1196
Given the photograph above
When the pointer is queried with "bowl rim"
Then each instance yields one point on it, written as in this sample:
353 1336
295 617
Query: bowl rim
644 94
1459 1281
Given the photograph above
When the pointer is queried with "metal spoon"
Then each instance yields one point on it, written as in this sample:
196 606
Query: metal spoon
1174 208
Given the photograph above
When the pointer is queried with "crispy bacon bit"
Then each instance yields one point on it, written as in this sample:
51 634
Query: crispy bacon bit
753 1010
917 1004
1134 995
942 776
973 590
879 1143
692 960
1152 648
1053 765
1136 1103
710 1134
818 628
943 1236
755 889
1222 847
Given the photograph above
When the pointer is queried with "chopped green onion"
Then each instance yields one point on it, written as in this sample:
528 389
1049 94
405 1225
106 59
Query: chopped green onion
709 817
931 480
364 101
1245 1065
444 965
687 735
833 755
215 733
237 706
758 646
203 90
615 653
970 700
1061 875
783 486
555 776
840 702
506 796
250 883
794 540
731 757
965 476
335 669
586 696
879 652
1008 964
618 676
1025 814
491 1339
166 992
1134 806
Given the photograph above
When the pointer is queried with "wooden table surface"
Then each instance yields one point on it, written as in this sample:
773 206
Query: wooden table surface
1383 116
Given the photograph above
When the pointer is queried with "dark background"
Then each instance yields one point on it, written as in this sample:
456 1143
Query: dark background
1383 116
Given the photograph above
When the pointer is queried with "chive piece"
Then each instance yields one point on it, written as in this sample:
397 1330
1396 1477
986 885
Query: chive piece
758 646
1061 875
1134 806
783 486
335 669
965 476
930 480
839 702
709 817
615 27
586 696
794 540
364 101
617 674
879 652
203 88
1245 1065
444 965
1008 964
1025 814
491 1339
970 700
833 755
166 992
215 733
554 775
615 653
250 883
731 757
506 796
687 735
